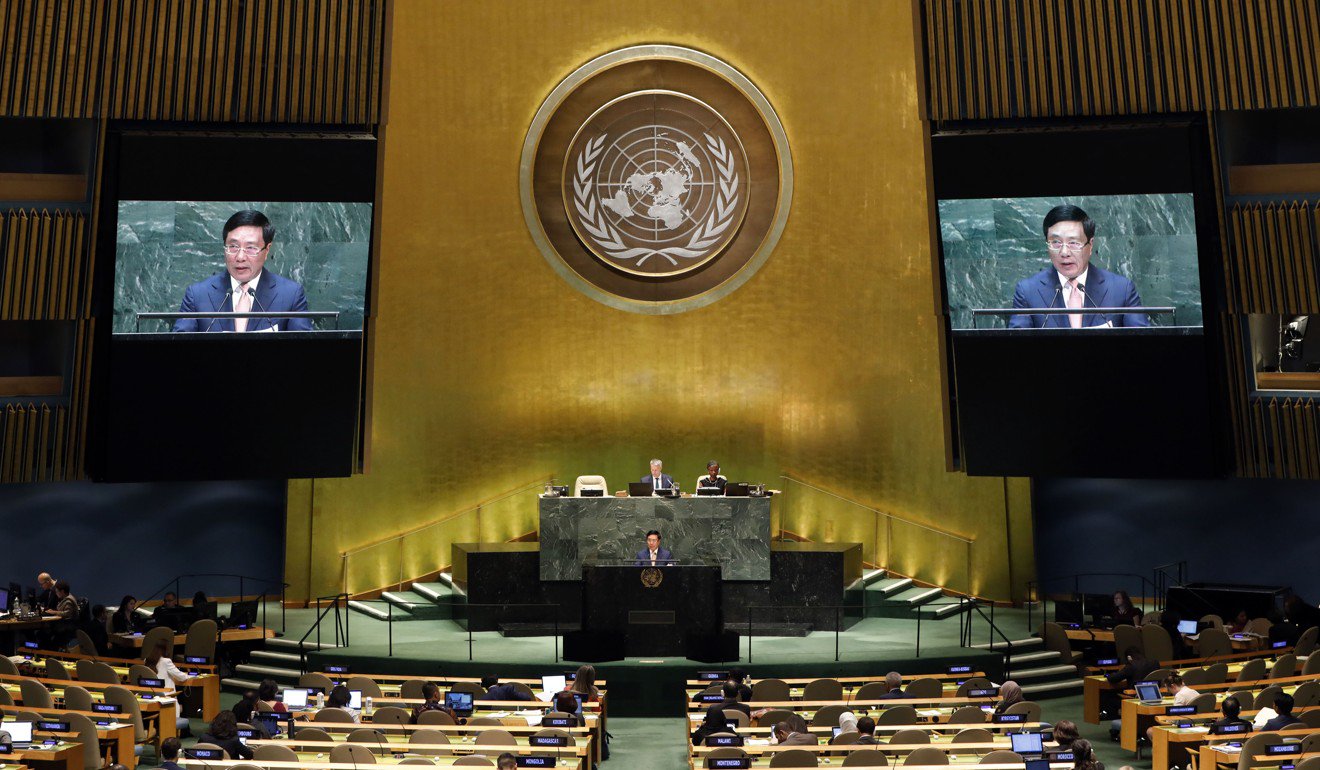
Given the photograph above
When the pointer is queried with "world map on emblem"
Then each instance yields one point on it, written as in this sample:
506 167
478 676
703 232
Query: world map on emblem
656 183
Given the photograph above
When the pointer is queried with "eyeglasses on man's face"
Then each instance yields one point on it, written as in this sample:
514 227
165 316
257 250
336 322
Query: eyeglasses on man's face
249 250
1057 245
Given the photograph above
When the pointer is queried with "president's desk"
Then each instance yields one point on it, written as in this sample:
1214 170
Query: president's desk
732 532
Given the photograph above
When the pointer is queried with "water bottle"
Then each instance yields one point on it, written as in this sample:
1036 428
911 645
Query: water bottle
320 699
367 705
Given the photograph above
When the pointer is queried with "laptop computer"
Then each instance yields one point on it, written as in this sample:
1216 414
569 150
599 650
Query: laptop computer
639 489
709 491
1027 744
1149 693
736 489
1038 764
1188 628
459 702
355 700
552 684
295 698
20 734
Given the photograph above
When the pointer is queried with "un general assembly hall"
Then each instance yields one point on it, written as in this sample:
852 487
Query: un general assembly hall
694 385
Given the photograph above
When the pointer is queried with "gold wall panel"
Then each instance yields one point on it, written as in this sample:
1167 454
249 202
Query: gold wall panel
1274 249
489 373
43 260
1035 58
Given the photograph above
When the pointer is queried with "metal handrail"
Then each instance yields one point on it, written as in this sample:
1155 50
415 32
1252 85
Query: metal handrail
837 619
506 605
242 593
341 624
1157 594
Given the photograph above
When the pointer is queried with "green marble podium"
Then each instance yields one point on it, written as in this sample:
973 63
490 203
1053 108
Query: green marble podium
733 532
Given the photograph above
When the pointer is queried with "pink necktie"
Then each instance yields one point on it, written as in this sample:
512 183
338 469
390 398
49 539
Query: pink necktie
1074 301
243 305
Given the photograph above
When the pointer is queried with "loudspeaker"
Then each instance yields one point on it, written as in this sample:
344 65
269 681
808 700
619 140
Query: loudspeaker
711 648
594 646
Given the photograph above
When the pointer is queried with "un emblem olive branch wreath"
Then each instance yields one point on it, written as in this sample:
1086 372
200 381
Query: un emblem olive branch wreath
607 237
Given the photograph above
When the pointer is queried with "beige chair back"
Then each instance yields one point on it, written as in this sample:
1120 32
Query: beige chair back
1126 637
313 734
865 758
1194 677
590 482
1217 673
967 715
1307 694
1212 642
35 695
352 753
555 732
827 716
793 758
478 692
392 715
130 710
366 684
157 635
897 715
1158 645
274 752
926 687
86 731
1056 640
427 737
845 739
1028 707
1285 666
726 752
1251 671
7 666
1215 622
495 738
1265 698
737 717
416 761
974 735
137 672
316 679
55 669
1205 703
1001 757
871 691
473 761
1256 745
435 718
85 644
975 683
823 689
332 714
201 638
909 737
1260 626
77 698
770 690
411 689
97 672
1312 666
212 747
5 698
1306 642
926 755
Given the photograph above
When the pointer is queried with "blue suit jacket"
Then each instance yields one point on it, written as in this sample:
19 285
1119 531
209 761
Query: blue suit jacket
1103 289
666 481
274 293
661 554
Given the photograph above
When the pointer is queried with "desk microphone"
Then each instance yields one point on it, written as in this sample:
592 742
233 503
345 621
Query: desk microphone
253 294
1086 297
223 299
1058 288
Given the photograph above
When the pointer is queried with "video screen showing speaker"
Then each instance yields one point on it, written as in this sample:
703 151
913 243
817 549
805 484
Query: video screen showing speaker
1078 261
1118 261
232 296
189 266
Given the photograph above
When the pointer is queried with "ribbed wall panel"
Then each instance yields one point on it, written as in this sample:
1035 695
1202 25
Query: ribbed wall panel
295 61
1041 58
43 256
1274 249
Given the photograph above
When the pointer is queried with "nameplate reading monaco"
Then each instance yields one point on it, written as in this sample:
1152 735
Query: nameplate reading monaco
652 577
656 179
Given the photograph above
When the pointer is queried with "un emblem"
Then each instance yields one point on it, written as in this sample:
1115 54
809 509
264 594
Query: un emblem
656 179
652 577
656 183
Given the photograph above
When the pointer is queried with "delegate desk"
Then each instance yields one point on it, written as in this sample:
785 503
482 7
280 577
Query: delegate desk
319 751
567 763
929 710
202 678
1094 686
1240 642
68 756
153 703
461 734
733 532
1170 745
255 633
1136 716
119 735
954 751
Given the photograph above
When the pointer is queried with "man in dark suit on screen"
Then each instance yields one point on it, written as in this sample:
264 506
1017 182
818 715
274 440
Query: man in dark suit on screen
654 554
1071 280
245 286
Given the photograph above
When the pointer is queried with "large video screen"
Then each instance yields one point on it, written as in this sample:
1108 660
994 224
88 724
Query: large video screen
1090 253
221 257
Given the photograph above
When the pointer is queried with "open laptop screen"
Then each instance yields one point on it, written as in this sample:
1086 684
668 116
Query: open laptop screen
1027 743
